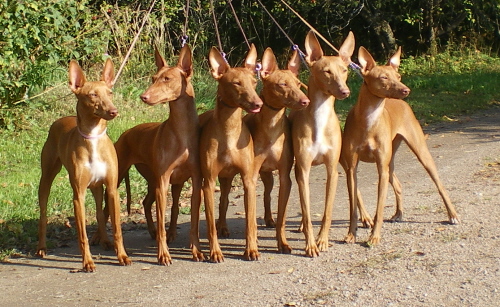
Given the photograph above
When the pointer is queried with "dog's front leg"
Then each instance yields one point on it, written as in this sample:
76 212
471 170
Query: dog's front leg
161 205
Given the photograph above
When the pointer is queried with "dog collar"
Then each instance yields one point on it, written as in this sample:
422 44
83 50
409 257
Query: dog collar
91 137
272 108
225 104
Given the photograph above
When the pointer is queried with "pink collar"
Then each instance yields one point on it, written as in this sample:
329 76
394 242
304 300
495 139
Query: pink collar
91 137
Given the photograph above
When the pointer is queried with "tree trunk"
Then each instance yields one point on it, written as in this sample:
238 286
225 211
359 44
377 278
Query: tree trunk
429 28
381 28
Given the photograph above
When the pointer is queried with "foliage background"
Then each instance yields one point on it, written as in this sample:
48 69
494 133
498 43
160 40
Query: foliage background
39 37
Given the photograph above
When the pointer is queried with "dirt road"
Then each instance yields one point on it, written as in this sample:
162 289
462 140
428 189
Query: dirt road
422 261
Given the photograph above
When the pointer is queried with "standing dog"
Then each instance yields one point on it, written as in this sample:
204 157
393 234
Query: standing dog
81 144
375 127
316 133
226 146
271 134
167 153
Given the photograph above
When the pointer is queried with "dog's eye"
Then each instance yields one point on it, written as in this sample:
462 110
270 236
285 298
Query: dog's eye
282 84
166 79
238 83
93 95
384 77
328 72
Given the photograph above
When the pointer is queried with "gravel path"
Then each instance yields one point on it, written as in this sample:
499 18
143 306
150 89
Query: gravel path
422 261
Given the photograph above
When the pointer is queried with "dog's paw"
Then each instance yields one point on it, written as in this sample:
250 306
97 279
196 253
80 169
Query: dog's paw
270 223
251 255
322 244
397 217
41 252
88 266
124 260
367 222
198 256
216 256
284 249
312 251
454 220
373 241
222 230
350 238
164 259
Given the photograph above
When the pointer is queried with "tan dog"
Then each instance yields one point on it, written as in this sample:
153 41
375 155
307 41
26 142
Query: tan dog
226 146
271 134
316 133
167 153
81 144
374 129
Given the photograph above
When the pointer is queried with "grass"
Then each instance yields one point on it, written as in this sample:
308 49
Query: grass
444 87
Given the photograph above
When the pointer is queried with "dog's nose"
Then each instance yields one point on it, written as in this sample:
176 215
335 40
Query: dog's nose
113 112
258 103
304 102
345 93
406 91
144 97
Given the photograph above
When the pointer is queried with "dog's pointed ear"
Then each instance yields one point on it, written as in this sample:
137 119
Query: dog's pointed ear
108 73
251 58
347 48
395 60
366 60
294 63
159 60
313 48
185 62
269 64
218 64
76 76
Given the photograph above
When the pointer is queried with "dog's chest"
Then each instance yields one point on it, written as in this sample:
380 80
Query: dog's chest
373 116
322 134
96 165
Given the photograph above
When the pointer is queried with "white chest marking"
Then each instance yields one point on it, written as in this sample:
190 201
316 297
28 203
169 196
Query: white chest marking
97 167
320 144
373 116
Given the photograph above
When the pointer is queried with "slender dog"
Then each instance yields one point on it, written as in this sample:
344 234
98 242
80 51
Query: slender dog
316 133
271 134
81 144
374 129
226 146
167 153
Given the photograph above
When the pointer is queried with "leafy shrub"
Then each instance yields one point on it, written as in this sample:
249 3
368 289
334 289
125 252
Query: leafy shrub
37 37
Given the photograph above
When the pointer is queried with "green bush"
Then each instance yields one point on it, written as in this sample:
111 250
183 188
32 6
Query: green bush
39 36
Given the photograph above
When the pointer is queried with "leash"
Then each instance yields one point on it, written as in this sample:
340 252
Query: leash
294 46
351 65
230 2
185 37
258 66
134 41
217 30
310 26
